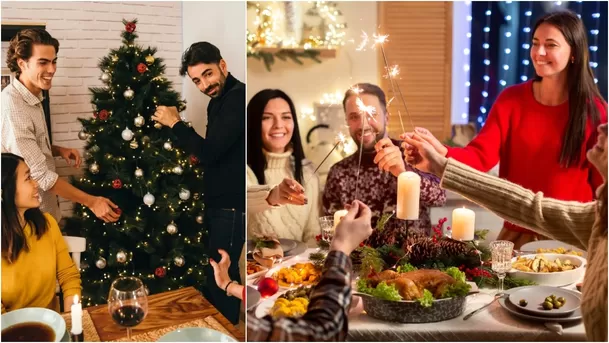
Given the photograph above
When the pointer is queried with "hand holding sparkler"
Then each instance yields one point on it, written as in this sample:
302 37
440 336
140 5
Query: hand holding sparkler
288 192
389 157
423 154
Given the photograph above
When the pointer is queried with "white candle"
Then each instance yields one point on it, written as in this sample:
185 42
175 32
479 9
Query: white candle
76 316
463 224
409 191
338 215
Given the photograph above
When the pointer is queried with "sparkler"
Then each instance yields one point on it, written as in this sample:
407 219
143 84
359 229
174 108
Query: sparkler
341 139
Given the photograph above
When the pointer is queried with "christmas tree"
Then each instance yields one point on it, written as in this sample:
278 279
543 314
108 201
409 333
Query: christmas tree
158 188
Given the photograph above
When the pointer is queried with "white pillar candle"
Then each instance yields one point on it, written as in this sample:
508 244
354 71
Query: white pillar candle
409 191
76 316
463 224
338 215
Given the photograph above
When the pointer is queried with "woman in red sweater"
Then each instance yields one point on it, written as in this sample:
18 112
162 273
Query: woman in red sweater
539 131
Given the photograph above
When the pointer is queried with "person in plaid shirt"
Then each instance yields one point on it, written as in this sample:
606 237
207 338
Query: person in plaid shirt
32 56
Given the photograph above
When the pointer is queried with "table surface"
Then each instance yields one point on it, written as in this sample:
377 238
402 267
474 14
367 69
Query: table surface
493 324
164 309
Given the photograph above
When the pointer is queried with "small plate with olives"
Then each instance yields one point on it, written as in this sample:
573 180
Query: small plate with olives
545 301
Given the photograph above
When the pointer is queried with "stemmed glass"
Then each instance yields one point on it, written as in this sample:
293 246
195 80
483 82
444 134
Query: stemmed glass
327 228
501 252
127 302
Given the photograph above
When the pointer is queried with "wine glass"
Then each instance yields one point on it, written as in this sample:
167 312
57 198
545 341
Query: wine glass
127 302
501 252
327 228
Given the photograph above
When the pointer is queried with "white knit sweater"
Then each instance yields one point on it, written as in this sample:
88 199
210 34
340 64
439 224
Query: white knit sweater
288 221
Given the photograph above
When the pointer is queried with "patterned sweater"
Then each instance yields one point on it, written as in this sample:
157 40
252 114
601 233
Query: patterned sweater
378 190
571 222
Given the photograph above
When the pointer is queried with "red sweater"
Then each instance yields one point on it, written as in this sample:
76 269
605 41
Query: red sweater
526 137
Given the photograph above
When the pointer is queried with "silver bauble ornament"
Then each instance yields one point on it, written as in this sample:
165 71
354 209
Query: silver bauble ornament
172 228
199 219
179 261
158 125
184 194
94 148
100 263
168 146
105 77
133 144
139 121
127 134
138 172
128 94
82 135
204 260
148 199
121 257
94 168
178 170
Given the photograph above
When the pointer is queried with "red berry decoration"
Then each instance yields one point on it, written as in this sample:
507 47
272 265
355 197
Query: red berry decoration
96 114
267 287
103 115
130 27
116 184
194 160
160 272
142 68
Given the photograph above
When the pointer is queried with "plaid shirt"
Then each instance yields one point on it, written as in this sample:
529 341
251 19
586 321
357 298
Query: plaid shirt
326 318
24 133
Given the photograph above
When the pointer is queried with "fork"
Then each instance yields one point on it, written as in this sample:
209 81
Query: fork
497 296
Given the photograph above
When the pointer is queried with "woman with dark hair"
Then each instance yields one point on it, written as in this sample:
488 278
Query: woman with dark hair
539 130
34 253
581 224
283 191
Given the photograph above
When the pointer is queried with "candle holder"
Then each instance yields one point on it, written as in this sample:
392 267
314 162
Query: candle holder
77 338
327 228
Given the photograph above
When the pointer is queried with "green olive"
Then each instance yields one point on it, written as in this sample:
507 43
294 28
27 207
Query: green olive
562 300
557 304
549 299
547 305
523 302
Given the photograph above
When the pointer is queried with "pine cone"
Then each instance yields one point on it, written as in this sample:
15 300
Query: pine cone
421 249
451 247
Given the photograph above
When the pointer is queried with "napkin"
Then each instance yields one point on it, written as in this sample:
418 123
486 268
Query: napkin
554 327
267 251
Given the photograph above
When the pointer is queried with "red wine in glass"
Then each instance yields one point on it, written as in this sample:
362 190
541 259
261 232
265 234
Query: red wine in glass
127 302
128 316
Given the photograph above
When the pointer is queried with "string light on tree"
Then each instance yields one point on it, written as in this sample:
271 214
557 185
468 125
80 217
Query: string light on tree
467 59
487 63
594 47
526 45
506 51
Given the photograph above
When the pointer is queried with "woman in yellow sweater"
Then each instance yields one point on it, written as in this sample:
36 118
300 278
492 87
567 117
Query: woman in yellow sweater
581 224
34 253
283 191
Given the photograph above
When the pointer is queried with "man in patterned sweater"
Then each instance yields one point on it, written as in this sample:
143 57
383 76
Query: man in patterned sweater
381 163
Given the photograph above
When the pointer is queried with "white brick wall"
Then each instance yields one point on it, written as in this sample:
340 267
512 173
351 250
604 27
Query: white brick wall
86 31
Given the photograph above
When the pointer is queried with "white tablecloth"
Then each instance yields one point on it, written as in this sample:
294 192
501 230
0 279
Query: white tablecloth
492 324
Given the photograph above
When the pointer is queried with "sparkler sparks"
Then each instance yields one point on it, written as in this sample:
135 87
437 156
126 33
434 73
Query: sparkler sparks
393 71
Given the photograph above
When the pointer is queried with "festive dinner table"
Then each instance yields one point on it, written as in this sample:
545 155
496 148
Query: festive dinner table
492 324
167 311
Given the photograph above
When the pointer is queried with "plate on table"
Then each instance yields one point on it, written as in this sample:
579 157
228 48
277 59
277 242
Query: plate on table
195 335
552 247
536 295
305 271
299 249
549 273
514 309
286 244
292 305
40 324
255 270
253 297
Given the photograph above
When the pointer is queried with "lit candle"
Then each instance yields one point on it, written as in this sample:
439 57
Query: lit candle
409 191
338 215
76 316
463 224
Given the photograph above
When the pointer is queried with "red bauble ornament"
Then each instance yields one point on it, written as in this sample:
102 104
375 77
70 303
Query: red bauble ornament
268 287
116 184
160 272
141 68
130 27
103 115
194 160
118 210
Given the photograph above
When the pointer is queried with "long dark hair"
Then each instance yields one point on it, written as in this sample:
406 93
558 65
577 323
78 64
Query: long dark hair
255 157
13 237
583 92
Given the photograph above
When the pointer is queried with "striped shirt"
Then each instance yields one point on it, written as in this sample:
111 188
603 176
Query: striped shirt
326 318
24 133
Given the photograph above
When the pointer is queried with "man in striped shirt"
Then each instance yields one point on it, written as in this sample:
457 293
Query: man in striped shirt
32 56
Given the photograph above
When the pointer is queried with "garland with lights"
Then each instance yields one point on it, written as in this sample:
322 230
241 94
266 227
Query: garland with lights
289 47
133 162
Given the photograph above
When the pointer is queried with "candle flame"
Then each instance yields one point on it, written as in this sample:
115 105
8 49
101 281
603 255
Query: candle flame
75 298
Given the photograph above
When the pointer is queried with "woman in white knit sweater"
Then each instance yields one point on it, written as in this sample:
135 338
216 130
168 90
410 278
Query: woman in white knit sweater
283 191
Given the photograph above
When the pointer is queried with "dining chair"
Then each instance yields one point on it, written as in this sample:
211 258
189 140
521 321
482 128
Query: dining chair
76 245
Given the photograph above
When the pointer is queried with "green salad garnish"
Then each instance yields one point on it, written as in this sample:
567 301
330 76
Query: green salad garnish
382 290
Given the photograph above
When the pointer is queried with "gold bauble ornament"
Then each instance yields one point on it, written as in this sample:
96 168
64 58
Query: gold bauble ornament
133 144
149 59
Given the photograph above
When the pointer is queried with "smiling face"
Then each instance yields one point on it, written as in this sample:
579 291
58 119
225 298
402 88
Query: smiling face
550 53
209 78
37 72
277 125
370 126
27 194
598 154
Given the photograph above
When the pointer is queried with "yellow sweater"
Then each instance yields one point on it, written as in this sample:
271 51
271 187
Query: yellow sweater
31 280
567 221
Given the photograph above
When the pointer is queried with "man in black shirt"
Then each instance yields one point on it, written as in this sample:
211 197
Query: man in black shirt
222 155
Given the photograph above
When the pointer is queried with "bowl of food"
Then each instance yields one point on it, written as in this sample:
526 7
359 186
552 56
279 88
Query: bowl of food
291 304
295 274
32 324
549 269
255 270
419 296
